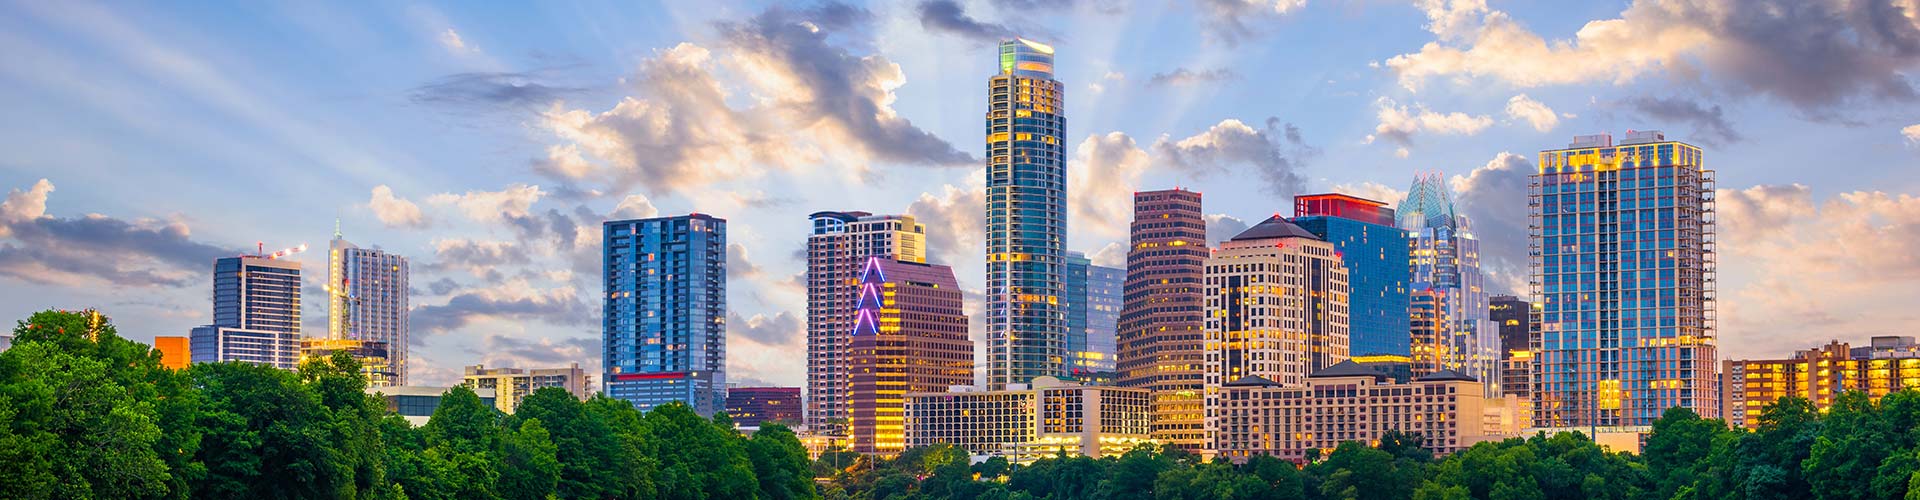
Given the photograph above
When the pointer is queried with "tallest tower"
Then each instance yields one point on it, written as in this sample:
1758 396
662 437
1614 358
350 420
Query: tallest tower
1026 217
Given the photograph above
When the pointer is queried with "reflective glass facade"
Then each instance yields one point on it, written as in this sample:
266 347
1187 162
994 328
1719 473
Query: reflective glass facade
664 316
1026 217
1444 262
1376 260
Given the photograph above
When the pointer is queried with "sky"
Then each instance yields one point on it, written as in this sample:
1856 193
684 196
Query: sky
488 141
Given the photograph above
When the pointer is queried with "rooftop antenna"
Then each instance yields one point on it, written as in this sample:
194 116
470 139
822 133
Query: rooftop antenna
336 228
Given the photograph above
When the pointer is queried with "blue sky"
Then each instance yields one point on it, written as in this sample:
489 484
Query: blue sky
487 142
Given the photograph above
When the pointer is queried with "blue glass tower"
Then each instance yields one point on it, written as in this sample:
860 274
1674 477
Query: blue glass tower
664 320
1376 258
1026 217
1444 262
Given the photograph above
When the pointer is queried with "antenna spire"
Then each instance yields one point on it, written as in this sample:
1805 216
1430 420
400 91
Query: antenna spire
336 228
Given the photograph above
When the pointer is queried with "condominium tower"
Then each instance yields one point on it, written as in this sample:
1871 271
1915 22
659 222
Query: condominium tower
1444 265
1623 269
838 248
1159 338
367 302
256 312
1026 217
909 335
1276 307
664 316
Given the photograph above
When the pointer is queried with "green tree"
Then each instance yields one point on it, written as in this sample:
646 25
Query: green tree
352 418
584 445
1355 471
68 430
465 432
265 435
711 459
529 463
1678 449
780 462
638 468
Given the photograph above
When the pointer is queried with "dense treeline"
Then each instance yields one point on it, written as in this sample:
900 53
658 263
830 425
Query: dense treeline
85 413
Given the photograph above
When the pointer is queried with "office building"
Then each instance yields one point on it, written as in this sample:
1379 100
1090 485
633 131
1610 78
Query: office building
1513 318
367 302
175 352
1347 402
1026 217
1622 268
837 250
1159 339
1444 263
1025 422
256 312
218 344
909 335
375 363
510 385
417 403
665 310
1819 375
753 406
1093 313
1363 234
1276 307
1075 301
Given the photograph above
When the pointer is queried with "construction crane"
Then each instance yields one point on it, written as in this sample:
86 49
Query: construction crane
261 247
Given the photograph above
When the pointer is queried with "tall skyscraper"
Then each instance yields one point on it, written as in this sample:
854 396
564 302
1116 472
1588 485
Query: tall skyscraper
1444 260
664 319
1362 232
1026 217
1276 307
256 312
1104 300
837 250
1159 339
909 335
1623 269
367 302
1075 301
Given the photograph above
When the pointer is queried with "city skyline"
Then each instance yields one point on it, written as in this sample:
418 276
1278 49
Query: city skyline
492 164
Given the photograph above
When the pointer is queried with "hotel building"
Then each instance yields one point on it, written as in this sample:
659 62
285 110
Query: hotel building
1362 232
1886 364
1276 307
1026 217
1025 423
1159 339
664 316
367 302
510 385
1623 271
837 250
1349 402
909 335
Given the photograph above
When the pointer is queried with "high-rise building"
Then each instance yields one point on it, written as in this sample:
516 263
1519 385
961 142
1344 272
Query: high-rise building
1375 253
1276 307
1622 266
367 302
665 315
256 312
375 364
510 385
1159 338
837 251
1819 375
753 406
909 335
1026 217
1104 300
1027 422
1444 261
1075 300
174 352
1511 316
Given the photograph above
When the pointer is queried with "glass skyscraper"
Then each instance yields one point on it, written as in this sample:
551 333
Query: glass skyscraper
664 316
367 302
1026 217
1093 311
1375 253
1444 261
1623 276
256 313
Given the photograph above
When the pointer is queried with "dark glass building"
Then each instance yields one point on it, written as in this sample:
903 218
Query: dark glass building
752 406
1376 258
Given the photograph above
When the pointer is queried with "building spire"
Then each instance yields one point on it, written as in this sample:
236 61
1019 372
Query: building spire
336 228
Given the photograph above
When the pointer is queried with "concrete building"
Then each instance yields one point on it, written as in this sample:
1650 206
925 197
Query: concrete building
1159 339
367 302
1362 232
375 363
1444 263
1348 402
837 250
510 385
1026 217
1885 365
909 335
752 406
417 403
664 316
175 352
1623 271
1025 423
1276 307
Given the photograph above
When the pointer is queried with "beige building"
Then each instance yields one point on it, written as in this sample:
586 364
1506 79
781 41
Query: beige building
1276 306
837 254
1349 402
1820 375
511 384
1026 422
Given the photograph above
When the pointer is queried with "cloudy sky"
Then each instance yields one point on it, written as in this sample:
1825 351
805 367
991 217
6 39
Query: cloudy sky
487 144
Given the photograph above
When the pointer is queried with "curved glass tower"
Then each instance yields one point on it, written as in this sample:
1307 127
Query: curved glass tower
1026 217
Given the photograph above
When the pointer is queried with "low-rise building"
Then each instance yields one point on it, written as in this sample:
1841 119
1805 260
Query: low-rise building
752 406
1026 422
512 384
376 362
1351 402
174 352
218 344
1885 365
417 403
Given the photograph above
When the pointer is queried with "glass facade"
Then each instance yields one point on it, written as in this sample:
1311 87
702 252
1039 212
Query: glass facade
837 251
1026 217
1623 274
1376 260
664 316
1443 261
367 302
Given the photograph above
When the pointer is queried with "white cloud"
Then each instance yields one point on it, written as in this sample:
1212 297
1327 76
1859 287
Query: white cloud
492 206
1102 177
1373 191
1912 132
634 207
1399 123
395 211
1273 151
1234 21
1521 107
452 41
955 221
22 206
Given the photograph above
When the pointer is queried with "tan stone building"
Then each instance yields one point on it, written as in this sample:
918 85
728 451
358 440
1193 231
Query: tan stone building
1349 402
1027 422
